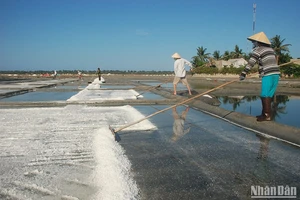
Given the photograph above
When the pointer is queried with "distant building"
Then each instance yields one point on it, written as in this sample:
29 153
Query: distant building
221 63
296 61
237 63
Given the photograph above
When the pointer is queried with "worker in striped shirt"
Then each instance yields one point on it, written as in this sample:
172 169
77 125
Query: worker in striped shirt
263 55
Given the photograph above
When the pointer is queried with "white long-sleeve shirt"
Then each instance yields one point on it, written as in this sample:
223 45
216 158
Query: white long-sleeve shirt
179 67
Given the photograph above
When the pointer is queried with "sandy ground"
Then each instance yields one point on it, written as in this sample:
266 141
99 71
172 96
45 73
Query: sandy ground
202 83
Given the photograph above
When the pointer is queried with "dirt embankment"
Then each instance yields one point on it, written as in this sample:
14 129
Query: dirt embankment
250 86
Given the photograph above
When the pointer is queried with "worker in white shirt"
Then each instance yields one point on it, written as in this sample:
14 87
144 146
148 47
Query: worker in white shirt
180 72
54 74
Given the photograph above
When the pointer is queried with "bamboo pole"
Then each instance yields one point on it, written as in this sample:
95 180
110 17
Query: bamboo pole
163 110
114 131
284 64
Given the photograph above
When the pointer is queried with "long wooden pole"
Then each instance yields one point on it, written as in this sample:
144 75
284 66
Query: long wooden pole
286 63
183 102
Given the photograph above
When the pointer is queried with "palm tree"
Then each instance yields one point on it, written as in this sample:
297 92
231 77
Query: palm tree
201 54
226 55
197 62
224 99
276 109
250 98
235 103
279 47
237 53
217 55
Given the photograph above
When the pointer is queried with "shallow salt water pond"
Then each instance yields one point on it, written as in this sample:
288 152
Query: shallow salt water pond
64 92
40 96
70 153
285 111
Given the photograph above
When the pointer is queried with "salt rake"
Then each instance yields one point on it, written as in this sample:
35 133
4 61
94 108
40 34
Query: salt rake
117 137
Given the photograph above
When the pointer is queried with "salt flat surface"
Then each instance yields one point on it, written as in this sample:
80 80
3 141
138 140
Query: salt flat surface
66 153
208 159
102 95
18 86
93 93
70 153
33 84
6 91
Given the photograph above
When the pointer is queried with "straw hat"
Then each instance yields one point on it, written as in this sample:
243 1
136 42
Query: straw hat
176 55
260 37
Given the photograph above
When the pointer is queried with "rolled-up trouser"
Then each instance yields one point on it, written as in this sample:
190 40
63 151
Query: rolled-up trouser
269 85
182 79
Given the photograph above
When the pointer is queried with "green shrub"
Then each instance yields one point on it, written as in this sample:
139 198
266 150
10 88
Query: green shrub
225 70
290 70
206 70
231 70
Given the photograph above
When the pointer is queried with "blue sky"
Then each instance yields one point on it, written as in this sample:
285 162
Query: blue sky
134 34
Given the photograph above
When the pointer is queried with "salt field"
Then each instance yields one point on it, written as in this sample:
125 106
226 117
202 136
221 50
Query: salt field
116 100
69 152
59 151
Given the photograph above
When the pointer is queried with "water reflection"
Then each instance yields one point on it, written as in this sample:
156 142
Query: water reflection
276 107
178 126
262 172
285 108
264 148
236 101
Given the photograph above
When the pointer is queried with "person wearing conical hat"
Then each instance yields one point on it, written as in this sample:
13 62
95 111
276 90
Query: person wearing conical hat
263 55
180 72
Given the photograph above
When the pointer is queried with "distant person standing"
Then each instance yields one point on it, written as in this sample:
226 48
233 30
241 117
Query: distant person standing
79 75
99 73
180 72
54 74
263 55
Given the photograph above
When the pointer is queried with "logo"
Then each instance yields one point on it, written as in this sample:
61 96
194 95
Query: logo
282 192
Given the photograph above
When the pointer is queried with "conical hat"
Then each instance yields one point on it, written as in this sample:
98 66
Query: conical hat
259 37
176 55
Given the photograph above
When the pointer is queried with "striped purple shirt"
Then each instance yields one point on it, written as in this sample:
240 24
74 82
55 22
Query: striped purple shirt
266 59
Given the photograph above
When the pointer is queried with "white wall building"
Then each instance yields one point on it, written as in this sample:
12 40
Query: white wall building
237 63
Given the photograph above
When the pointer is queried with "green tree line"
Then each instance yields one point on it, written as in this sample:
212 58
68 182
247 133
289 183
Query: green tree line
203 62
